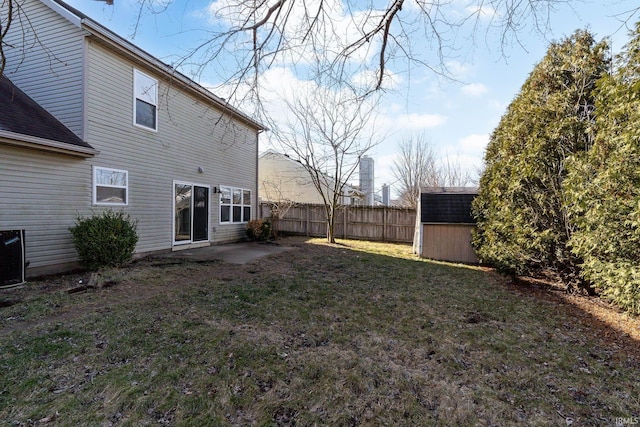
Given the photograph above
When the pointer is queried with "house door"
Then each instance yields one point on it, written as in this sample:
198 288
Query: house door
200 213
191 213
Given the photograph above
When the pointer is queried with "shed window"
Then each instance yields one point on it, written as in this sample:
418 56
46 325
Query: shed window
110 186
145 100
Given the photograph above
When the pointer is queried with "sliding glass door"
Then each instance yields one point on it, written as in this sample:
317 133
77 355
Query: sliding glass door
191 213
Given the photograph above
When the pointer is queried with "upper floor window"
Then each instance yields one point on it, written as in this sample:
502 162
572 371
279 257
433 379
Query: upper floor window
145 108
110 186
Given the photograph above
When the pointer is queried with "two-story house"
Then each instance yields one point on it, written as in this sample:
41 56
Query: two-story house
97 123
282 178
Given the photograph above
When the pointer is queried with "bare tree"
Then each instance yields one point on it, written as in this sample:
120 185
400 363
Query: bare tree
328 132
6 18
414 168
279 203
450 173
418 166
11 12
366 37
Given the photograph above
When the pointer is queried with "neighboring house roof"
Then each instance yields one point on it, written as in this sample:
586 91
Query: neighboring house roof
135 54
24 122
347 190
447 205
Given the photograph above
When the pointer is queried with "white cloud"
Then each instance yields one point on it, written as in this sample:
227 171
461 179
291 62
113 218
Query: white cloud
467 153
498 105
419 121
473 144
383 169
457 69
338 26
368 78
482 12
474 89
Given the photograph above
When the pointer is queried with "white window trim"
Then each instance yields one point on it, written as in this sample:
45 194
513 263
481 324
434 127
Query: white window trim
231 205
136 72
190 242
96 185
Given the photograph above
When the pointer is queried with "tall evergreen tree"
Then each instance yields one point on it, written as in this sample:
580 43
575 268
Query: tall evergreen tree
604 186
523 225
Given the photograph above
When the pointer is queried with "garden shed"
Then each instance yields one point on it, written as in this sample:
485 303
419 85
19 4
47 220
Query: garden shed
444 224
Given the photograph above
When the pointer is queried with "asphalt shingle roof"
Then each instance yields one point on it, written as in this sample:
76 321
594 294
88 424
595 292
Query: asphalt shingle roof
22 115
449 206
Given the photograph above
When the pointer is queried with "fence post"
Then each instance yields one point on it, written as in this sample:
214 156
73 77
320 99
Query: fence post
384 224
308 219
392 222
344 227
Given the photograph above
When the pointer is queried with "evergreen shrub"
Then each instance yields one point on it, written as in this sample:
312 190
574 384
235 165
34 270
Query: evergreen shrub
105 240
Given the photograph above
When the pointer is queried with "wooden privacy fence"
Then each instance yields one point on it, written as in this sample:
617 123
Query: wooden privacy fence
376 223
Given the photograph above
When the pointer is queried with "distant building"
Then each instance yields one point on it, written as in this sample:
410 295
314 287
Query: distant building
386 195
282 178
366 180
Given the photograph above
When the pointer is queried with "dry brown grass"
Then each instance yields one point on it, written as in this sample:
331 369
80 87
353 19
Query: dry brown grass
349 334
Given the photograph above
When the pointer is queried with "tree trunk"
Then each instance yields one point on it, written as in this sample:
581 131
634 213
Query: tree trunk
330 226
275 224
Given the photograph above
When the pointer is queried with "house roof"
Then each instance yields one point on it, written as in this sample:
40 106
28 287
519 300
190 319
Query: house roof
23 121
348 189
134 53
447 205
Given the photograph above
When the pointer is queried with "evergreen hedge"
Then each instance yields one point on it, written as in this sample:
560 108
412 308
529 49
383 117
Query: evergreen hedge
561 188
604 196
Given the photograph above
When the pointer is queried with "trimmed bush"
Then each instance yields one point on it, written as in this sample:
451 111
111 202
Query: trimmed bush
105 240
259 229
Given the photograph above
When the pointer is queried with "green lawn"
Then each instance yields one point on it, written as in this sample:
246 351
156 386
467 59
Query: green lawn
341 335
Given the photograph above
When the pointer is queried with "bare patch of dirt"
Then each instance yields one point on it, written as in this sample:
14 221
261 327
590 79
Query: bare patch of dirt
141 280
615 327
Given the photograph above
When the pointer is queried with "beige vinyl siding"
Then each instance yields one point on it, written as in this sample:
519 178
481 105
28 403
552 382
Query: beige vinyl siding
282 178
47 63
448 242
42 193
191 135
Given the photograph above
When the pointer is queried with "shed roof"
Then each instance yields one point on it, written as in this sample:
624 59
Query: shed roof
447 205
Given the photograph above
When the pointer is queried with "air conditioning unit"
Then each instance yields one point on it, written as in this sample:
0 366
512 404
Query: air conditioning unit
12 254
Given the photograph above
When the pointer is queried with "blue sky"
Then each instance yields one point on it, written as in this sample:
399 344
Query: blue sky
456 116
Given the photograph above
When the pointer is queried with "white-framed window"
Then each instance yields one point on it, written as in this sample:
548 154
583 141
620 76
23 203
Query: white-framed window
235 205
145 101
110 186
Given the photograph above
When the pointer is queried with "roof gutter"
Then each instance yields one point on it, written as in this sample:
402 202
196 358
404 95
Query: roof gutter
139 56
71 15
28 141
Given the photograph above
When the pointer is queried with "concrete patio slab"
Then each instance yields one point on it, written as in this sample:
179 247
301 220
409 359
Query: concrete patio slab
233 253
